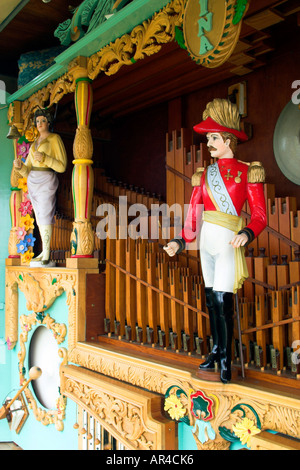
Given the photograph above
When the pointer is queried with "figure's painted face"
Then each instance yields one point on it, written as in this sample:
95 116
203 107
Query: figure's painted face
217 147
42 124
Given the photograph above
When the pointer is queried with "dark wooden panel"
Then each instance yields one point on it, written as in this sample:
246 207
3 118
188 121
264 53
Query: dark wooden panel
95 305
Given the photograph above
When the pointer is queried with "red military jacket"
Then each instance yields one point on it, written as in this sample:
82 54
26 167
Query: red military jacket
243 183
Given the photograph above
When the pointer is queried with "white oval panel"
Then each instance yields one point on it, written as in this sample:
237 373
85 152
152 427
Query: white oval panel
43 353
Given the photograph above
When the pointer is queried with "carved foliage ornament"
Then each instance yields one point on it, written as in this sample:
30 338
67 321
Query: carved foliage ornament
144 40
218 419
120 417
40 291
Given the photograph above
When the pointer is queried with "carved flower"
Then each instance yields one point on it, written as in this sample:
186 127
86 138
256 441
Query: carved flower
22 184
201 406
25 207
26 257
31 134
21 232
27 222
244 430
29 239
22 247
60 404
174 407
23 150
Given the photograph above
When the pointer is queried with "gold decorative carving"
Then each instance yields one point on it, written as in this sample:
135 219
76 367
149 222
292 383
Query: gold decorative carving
123 410
12 242
274 415
40 289
27 322
83 143
82 238
144 40
278 412
47 96
232 410
40 294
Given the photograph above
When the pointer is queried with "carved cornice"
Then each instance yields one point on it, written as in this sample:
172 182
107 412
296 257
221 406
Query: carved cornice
144 40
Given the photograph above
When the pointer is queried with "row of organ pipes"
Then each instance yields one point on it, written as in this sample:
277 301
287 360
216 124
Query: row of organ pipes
155 300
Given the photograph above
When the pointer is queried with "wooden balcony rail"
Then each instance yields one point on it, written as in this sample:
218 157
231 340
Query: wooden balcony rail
152 300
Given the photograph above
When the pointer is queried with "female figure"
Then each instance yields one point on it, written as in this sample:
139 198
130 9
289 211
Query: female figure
222 189
47 156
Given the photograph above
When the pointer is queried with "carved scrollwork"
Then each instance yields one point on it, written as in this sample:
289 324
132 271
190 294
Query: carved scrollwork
40 290
144 40
27 322
122 418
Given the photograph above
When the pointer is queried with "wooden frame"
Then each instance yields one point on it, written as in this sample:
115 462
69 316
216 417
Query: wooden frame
277 411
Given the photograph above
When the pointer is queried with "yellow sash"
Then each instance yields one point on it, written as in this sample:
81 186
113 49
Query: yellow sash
235 224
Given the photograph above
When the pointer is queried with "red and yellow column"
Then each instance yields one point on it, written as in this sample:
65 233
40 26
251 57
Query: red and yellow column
82 238
14 117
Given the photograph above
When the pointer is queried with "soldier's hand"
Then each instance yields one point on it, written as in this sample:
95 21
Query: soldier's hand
171 248
239 240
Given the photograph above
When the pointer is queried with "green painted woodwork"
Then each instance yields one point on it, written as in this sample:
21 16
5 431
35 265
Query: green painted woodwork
116 26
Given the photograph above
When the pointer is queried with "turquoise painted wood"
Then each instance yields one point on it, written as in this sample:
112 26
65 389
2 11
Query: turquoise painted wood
6 160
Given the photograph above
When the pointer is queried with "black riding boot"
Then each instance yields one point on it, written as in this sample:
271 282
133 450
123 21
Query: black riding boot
213 357
223 302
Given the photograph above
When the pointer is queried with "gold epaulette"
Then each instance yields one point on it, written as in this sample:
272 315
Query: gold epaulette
196 178
256 173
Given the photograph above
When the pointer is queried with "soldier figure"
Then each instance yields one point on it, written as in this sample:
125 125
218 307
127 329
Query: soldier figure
222 188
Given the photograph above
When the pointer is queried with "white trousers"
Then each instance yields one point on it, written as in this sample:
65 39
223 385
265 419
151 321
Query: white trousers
217 257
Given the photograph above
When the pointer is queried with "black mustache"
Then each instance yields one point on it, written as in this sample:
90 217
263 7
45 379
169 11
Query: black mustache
210 148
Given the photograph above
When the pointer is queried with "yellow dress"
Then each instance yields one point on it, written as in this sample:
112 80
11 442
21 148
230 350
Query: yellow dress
55 156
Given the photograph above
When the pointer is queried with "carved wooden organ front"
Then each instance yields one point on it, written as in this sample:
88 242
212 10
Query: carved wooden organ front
156 304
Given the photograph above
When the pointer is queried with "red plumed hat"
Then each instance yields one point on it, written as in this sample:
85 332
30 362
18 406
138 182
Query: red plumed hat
209 125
